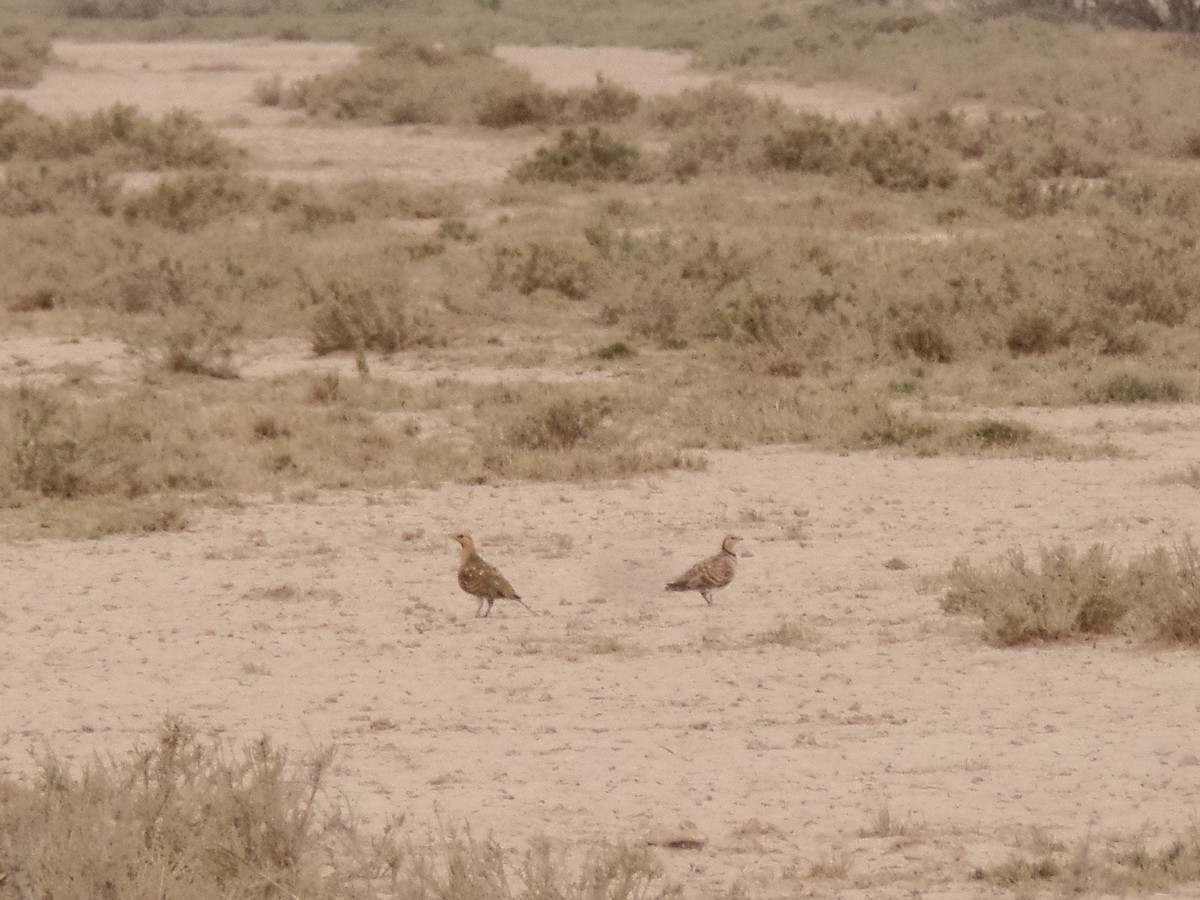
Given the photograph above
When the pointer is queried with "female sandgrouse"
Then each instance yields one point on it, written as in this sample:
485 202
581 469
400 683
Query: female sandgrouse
481 579
710 574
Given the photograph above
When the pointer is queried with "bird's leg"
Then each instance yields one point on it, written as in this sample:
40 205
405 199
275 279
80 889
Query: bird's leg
488 612
707 597
479 608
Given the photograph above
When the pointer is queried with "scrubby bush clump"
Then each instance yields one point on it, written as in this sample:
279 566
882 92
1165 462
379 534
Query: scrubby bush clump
119 137
23 54
356 316
189 817
592 156
1074 595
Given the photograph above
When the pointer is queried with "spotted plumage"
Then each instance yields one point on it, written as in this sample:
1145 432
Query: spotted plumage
710 574
481 579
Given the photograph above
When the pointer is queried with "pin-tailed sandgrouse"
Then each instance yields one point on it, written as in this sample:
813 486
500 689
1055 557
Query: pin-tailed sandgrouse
710 574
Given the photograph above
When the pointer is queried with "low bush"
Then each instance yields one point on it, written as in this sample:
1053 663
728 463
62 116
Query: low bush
28 190
1082 594
1132 388
594 156
571 270
189 202
23 55
355 317
118 137
189 818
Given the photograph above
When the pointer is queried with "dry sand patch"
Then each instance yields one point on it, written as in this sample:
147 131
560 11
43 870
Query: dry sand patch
616 710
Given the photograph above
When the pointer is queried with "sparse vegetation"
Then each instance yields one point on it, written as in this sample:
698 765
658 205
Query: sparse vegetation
1073 595
1124 866
191 817
771 267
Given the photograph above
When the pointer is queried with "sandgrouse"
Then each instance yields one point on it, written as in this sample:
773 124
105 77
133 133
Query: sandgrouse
710 574
481 579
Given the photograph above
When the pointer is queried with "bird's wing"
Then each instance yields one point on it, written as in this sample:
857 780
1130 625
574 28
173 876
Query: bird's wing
481 578
714 572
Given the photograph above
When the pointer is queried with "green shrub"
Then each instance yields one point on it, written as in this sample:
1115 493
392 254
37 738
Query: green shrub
594 156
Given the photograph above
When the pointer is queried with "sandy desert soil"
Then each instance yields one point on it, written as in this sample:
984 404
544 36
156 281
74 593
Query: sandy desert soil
615 710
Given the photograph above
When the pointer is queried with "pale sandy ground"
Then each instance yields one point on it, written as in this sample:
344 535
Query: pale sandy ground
615 710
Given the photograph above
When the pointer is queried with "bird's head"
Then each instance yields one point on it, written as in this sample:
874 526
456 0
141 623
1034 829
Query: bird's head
464 541
730 542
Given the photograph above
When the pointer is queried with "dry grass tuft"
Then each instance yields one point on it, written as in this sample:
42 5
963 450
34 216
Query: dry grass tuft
1085 594
190 819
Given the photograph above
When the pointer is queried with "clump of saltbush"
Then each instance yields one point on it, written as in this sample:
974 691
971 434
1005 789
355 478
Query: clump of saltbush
1069 595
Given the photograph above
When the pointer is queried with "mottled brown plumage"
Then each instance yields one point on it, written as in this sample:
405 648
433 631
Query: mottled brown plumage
710 574
481 579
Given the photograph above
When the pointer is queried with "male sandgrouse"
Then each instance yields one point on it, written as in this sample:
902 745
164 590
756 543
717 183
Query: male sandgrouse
481 579
710 574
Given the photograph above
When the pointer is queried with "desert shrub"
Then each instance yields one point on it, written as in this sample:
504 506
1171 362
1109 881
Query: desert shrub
810 143
63 449
1073 595
33 190
1032 331
200 345
519 101
615 350
560 424
570 270
158 285
1168 584
594 156
1128 387
41 452
716 127
182 817
23 54
603 102
358 316
119 136
926 340
401 81
527 104
1077 594
188 202
898 159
